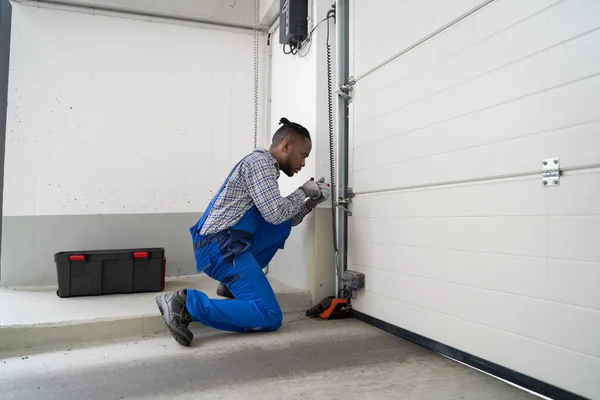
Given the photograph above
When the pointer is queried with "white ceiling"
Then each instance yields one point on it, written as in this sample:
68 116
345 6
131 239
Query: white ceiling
227 12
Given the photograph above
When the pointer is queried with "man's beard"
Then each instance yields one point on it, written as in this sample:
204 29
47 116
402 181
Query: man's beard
290 174
287 170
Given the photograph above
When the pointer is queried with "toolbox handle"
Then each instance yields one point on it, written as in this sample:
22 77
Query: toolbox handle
76 257
140 254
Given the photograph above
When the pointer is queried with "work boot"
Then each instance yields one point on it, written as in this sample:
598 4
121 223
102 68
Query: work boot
176 316
224 291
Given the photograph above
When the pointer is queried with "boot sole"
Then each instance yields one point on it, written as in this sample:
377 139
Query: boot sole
181 337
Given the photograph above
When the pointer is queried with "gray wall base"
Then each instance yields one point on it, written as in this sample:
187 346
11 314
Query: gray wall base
29 243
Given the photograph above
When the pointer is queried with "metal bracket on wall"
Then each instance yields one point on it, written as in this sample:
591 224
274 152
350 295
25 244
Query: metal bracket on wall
551 172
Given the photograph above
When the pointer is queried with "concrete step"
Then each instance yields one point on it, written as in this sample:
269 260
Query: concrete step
37 320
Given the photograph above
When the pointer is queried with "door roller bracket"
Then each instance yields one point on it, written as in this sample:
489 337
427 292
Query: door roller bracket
345 91
346 201
551 172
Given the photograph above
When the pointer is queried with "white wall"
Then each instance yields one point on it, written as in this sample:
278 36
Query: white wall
111 115
119 132
269 12
293 93
299 92
125 120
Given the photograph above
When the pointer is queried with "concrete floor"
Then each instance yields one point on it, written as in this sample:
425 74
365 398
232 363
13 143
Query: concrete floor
308 359
39 319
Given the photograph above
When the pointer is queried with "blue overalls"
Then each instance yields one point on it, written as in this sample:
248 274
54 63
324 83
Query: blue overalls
237 257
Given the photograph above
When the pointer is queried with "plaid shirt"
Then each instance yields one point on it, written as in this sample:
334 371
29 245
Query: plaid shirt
254 183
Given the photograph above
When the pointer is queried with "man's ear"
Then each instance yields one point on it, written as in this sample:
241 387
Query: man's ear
285 146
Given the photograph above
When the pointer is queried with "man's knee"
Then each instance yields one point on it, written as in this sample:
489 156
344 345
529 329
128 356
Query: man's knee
274 319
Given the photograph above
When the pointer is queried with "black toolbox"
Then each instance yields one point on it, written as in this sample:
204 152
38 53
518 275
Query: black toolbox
97 272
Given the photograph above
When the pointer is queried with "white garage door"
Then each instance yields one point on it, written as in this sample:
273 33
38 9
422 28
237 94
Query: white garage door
458 238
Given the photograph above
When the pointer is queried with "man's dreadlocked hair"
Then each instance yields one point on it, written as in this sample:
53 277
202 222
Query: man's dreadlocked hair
289 130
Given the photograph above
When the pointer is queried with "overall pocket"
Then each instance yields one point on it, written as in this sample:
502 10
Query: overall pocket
233 243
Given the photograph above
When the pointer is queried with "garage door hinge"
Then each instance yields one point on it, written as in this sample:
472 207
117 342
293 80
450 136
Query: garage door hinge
551 172
345 90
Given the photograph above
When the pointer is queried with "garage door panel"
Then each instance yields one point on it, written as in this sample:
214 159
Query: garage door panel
397 25
488 23
573 282
575 146
554 68
541 320
574 238
534 277
484 234
451 224
578 194
539 360
556 109
525 118
468 200
510 274
495 41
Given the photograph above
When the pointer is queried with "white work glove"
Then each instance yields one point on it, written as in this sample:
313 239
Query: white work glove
312 189
325 192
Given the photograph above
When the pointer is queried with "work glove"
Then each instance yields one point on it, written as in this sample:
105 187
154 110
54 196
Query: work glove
325 192
312 189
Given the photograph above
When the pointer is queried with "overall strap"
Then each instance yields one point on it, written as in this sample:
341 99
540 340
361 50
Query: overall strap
200 222
229 176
